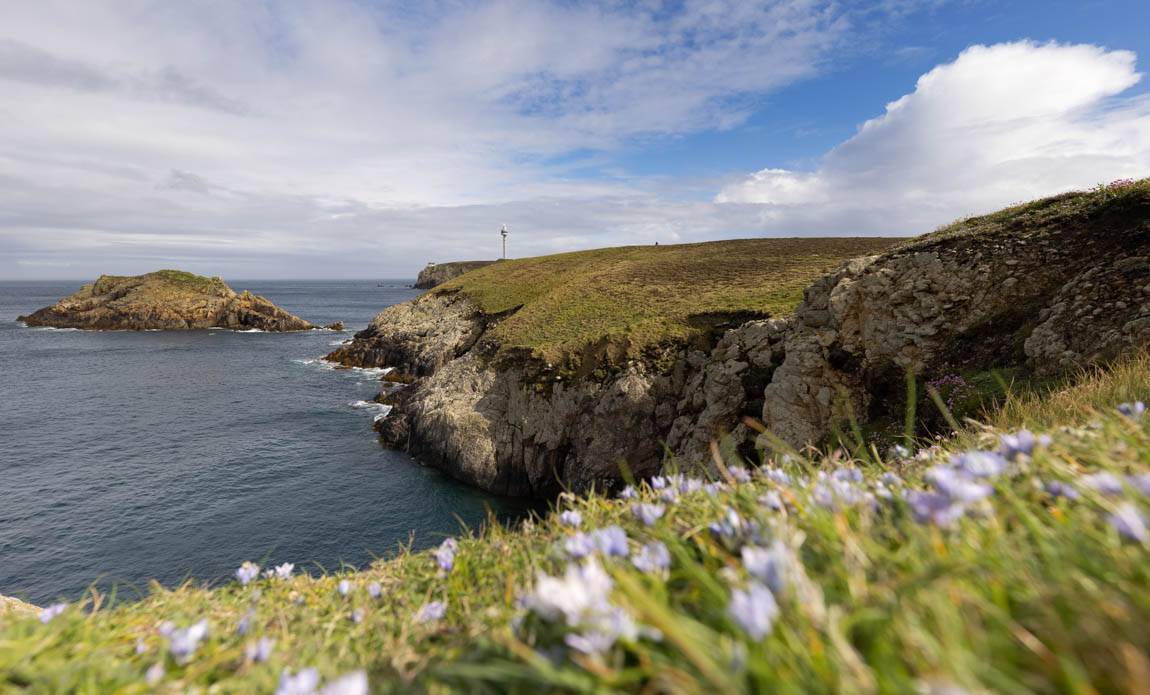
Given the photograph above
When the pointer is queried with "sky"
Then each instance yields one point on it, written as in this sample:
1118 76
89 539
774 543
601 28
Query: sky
364 138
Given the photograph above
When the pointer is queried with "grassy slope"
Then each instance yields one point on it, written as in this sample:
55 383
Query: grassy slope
1026 593
621 301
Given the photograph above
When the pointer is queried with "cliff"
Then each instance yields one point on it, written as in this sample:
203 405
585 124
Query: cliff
524 387
165 300
436 274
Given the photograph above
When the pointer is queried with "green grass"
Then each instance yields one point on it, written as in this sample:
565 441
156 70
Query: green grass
1026 593
614 304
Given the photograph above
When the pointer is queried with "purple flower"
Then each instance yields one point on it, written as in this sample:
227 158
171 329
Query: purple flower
245 624
847 475
445 554
1129 522
154 674
669 495
713 488
579 545
344 587
47 614
1104 483
898 452
979 464
1058 488
580 599
778 476
431 612
629 493
1133 410
260 650
740 474
281 571
658 482
303 683
652 558
611 541
754 609
1140 482
357 616
957 486
648 513
182 643
772 500
354 683
571 518
773 566
688 486
935 508
374 590
1021 443
247 572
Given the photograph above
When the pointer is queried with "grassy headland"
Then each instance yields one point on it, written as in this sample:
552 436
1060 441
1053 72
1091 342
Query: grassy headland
995 562
618 302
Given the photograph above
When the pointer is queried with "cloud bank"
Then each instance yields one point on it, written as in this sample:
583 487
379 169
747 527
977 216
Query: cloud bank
1000 124
363 139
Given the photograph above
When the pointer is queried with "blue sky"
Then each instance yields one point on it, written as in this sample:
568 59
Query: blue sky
287 138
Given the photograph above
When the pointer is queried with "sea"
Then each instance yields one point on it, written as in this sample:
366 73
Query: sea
127 457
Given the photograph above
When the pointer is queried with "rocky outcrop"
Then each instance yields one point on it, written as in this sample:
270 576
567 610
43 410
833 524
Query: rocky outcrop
436 274
165 300
14 608
1048 297
1052 286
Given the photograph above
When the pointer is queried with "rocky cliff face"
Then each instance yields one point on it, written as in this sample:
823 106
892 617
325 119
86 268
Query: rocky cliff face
165 300
1050 288
436 274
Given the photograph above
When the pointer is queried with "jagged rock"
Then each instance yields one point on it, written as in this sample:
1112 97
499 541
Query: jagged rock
435 274
164 300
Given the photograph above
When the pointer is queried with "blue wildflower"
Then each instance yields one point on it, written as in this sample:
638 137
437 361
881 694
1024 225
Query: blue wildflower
1140 482
183 643
47 614
344 587
1129 522
935 508
648 513
979 464
283 571
1133 410
772 499
374 590
247 572
430 612
754 609
957 485
688 486
740 474
303 683
579 545
571 518
899 452
713 488
354 683
1104 483
1058 488
629 493
611 541
357 616
658 482
1021 443
260 650
445 554
245 624
773 566
652 557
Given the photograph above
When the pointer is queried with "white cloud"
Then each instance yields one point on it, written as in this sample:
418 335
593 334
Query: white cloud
134 131
998 125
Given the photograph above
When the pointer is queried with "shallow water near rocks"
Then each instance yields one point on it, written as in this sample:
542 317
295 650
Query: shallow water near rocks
128 456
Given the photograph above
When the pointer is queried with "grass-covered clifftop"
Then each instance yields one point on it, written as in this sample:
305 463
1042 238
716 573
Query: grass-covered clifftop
995 562
617 302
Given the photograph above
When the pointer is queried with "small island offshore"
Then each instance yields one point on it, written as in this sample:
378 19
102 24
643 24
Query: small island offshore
166 300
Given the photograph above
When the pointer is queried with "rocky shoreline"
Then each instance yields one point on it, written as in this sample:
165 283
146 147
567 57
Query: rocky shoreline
166 300
435 274
1059 292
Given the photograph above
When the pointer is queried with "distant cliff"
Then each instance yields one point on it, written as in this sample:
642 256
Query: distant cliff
165 300
438 273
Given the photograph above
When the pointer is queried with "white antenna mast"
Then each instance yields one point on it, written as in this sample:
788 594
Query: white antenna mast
503 232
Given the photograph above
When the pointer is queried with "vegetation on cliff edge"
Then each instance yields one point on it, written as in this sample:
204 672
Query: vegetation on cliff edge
997 561
617 302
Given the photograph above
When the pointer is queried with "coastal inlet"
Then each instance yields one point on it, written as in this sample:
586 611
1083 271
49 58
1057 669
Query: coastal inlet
132 455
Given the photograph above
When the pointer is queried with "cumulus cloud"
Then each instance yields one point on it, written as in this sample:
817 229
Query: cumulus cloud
1000 124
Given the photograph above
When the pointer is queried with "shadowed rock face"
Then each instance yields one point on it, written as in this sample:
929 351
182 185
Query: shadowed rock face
164 300
437 274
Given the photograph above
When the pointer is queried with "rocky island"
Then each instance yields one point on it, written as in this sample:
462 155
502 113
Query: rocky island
166 300
536 375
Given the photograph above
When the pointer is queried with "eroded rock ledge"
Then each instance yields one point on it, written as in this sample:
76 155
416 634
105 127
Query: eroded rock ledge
165 300
1047 296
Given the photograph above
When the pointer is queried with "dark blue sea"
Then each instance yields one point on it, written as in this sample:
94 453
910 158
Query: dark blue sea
130 456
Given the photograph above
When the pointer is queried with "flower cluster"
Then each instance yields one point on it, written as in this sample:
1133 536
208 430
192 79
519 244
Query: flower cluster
445 554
